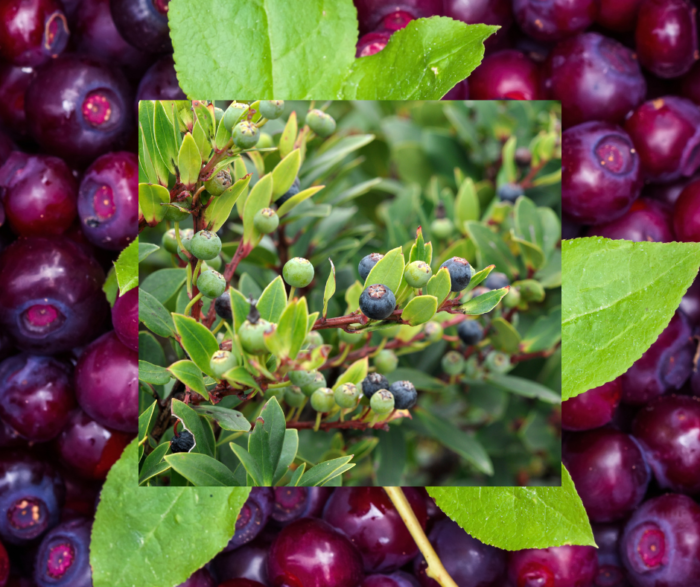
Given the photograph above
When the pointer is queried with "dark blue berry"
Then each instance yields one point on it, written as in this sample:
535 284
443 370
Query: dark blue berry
223 306
293 503
373 383
254 516
496 280
291 192
63 559
470 332
367 263
182 443
509 192
377 302
405 394
460 272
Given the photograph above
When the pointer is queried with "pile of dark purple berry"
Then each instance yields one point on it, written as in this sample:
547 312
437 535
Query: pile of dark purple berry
68 207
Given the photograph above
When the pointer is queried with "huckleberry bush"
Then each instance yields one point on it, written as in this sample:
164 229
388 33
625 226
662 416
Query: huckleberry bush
354 302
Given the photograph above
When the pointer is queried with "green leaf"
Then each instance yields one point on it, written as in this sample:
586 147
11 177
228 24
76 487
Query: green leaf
527 517
524 387
464 444
273 301
150 373
197 340
154 464
163 284
388 271
151 197
296 476
294 201
239 308
110 287
289 452
439 285
226 418
191 375
533 256
420 310
289 135
219 210
527 221
270 41
258 199
355 373
505 337
483 303
146 249
206 118
191 420
426 60
202 470
165 137
549 179
467 204
618 297
189 161
202 140
551 229
544 333
492 250
239 377
127 268
267 438
352 297
146 419
147 146
134 527
326 471
223 135
154 315
330 289
479 277
510 173
248 463
284 173
391 458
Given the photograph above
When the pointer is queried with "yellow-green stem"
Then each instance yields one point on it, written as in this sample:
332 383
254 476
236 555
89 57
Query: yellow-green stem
218 327
435 569
194 300
317 425
291 293
197 268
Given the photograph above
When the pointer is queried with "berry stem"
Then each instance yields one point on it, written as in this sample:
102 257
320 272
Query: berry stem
194 300
435 569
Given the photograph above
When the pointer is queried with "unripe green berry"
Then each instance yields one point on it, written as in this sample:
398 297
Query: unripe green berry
276 392
350 337
219 183
346 395
272 109
205 245
386 361
214 264
298 272
512 298
221 362
313 340
301 377
321 123
233 114
169 242
453 363
442 228
186 236
294 397
253 336
417 274
497 362
266 220
433 331
246 135
382 402
391 331
471 367
265 141
531 290
322 400
317 382
211 283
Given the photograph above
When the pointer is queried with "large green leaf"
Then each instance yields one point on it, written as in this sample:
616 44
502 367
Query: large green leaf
226 418
273 301
202 470
492 250
388 271
267 438
483 303
151 196
197 340
191 375
525 387
419 310
154 315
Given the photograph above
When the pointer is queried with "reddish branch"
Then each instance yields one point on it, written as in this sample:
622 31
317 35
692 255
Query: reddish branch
527 356
350 424
526 182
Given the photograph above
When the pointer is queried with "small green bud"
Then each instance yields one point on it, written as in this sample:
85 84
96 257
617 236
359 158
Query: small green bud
298 272
294 397
497 362
272 109
346 395
205 245
221 362
317 382
266 220
219 183
246 135
417 274
321 123
386 361
453 363
211 283
322 400
382 402
433 331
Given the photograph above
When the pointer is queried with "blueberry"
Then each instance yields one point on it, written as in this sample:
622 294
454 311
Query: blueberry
470 332
205 245
460 272
405 394
143 23
125 318
317 382
347 395
272 109
386 361
184 442
211 283
246 135
160 82
291 192
64 556
373 383
221 362
367 263
253 517
382 402
453 363
266 220
509 192
294 503
496 280
417 273
222 305
219 183
523 156
323 400
298 272
321 123
377 302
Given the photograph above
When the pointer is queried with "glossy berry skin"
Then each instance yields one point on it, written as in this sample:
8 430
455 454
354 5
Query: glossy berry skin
108 201
32 31
666 134
367 516
211 283
36 395
291 192
125 318
373 383
610 573
253 517
661 543
397 579
405 394
88 448
666 36
601 172
80 108
591 409
14 81
620 15
686 213
466 560
39 194
371 13
298 272
372 43
367 263
460 272
64 556
559 566
506 75
498 12
201 578
609 471
595 78
31 497
241 583
669 431
496 280
4 566
106 383
312 553
470 332
377 302
160 82
689 85
509 192
665 366
143 23
222 306
294 503
51 299
646 221
552 20
183 442
246 562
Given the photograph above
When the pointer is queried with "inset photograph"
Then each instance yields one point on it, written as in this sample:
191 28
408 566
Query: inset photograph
349 293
